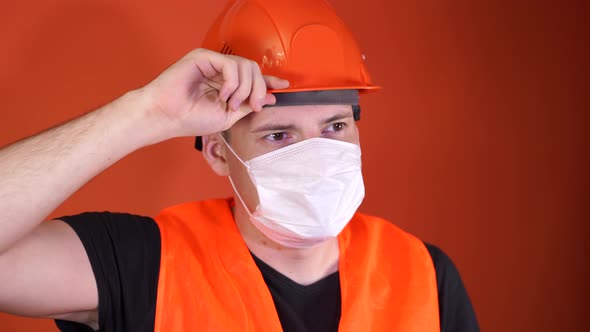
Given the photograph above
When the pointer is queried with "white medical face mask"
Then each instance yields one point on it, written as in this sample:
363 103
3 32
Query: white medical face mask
307 191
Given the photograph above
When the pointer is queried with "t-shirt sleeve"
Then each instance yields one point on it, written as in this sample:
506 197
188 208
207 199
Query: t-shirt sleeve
124 252
455 309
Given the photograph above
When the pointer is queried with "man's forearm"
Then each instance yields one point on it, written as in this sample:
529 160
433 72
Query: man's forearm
39 173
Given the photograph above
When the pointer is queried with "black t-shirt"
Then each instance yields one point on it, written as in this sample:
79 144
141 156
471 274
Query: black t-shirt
124 251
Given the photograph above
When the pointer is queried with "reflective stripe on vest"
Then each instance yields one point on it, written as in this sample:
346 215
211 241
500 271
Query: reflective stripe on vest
209 281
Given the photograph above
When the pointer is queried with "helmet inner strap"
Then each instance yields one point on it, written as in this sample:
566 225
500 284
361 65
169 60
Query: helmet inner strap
323 97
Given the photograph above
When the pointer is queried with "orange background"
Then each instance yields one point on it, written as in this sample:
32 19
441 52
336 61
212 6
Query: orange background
476 143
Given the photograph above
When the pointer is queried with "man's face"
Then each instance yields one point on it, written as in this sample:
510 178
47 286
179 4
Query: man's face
277 127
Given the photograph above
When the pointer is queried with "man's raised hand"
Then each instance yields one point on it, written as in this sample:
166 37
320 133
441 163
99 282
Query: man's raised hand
207 92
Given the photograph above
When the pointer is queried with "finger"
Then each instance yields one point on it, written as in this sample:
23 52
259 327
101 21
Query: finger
231 78
209 64
275 83
212 64
244 87
258 94
269 99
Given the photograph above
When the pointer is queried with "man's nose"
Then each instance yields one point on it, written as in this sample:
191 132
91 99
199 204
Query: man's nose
308 133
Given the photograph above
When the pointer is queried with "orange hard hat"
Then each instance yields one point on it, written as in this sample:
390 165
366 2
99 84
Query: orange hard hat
303 41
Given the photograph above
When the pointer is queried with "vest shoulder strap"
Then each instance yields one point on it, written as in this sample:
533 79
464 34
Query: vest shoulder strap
387 276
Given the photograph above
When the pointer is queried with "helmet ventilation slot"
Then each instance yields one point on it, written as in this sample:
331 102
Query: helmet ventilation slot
226 49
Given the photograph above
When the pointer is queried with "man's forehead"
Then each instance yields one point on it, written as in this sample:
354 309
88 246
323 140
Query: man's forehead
297 114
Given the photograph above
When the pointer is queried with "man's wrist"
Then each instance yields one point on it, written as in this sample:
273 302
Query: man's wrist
137 112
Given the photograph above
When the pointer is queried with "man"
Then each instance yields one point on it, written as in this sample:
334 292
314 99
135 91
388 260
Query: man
290 253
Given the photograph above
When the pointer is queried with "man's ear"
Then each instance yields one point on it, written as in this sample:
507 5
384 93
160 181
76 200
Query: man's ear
214 151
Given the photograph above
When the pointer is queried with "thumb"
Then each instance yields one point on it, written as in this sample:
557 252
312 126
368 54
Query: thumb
235 116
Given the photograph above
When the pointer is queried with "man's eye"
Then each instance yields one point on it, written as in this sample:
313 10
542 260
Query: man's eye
276 136
338 126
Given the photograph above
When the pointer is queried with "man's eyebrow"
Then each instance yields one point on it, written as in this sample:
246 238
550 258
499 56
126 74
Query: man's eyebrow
273 127
337 117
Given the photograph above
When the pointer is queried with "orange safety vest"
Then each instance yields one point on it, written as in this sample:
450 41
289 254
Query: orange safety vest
209 281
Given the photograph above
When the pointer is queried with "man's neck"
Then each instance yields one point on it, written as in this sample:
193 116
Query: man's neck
303 266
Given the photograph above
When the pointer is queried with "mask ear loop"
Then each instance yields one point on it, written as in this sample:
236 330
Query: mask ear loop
231 181
232 150
239 196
